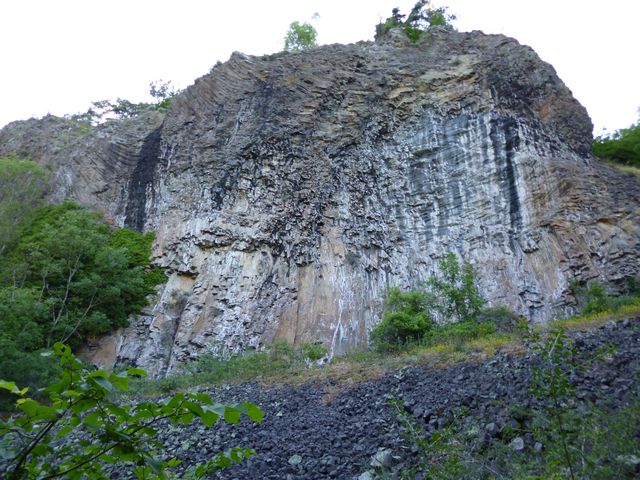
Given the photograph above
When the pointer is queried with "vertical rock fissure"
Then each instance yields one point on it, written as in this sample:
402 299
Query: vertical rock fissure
142 177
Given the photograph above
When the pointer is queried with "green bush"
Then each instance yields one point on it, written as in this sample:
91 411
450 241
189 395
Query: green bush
594 297
409 317
456 291
300 36
313 351
68 277
504 319
23 185
421 18
623 146
407 320
460 332
80 430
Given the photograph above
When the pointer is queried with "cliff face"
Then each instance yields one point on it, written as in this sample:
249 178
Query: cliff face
289 192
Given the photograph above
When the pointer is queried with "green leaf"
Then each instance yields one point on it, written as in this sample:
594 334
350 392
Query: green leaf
209 418
194 408
136 372
119 382
103 383
11 386
175 400
28 406
232 415
203 398
64 431
84 405
186 418
253 412
61 349
93 420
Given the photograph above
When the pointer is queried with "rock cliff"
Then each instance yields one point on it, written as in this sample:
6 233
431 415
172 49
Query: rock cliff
289 192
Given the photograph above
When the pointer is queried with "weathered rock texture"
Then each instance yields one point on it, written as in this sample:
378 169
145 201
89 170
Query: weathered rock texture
289 192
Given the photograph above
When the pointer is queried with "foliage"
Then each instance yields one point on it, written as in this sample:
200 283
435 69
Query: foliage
460 332
551 382
421 18
68 277
623 146
162 92
409 317
80 430
313 352
504 319
23 185
300 36
213 368
456 291
439 455
406 320
594 297
576 438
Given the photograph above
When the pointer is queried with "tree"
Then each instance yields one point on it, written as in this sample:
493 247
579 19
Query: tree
623 146
162 92
421 18
456 290
406 319
68 277
81 429
23 185
300 36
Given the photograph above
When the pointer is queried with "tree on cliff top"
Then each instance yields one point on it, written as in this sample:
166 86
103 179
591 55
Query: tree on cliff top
623 146
300 36
422 17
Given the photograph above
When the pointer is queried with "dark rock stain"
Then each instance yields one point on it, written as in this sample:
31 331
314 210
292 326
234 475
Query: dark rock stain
141 178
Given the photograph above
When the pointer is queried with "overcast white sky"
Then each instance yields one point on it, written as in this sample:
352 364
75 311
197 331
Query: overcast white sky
59 56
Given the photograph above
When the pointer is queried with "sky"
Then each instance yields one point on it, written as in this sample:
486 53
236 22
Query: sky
58 56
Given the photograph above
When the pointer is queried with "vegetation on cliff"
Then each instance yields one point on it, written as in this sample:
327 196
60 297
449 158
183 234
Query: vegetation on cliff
451 296
622 146
421 18
65 276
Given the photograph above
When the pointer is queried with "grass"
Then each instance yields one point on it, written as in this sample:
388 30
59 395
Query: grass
593 320
628 169
446 346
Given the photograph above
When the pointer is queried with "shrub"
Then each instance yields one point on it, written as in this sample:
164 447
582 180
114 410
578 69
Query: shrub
455 290
504 319
300 36
594 297
623 146
313 351
407 320
67 277
80 430
421 18
453 296
461 332
23 185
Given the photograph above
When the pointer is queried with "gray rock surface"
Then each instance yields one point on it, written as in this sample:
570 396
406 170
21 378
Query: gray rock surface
289 192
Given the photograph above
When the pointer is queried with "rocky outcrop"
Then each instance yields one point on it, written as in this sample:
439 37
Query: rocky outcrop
289 192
